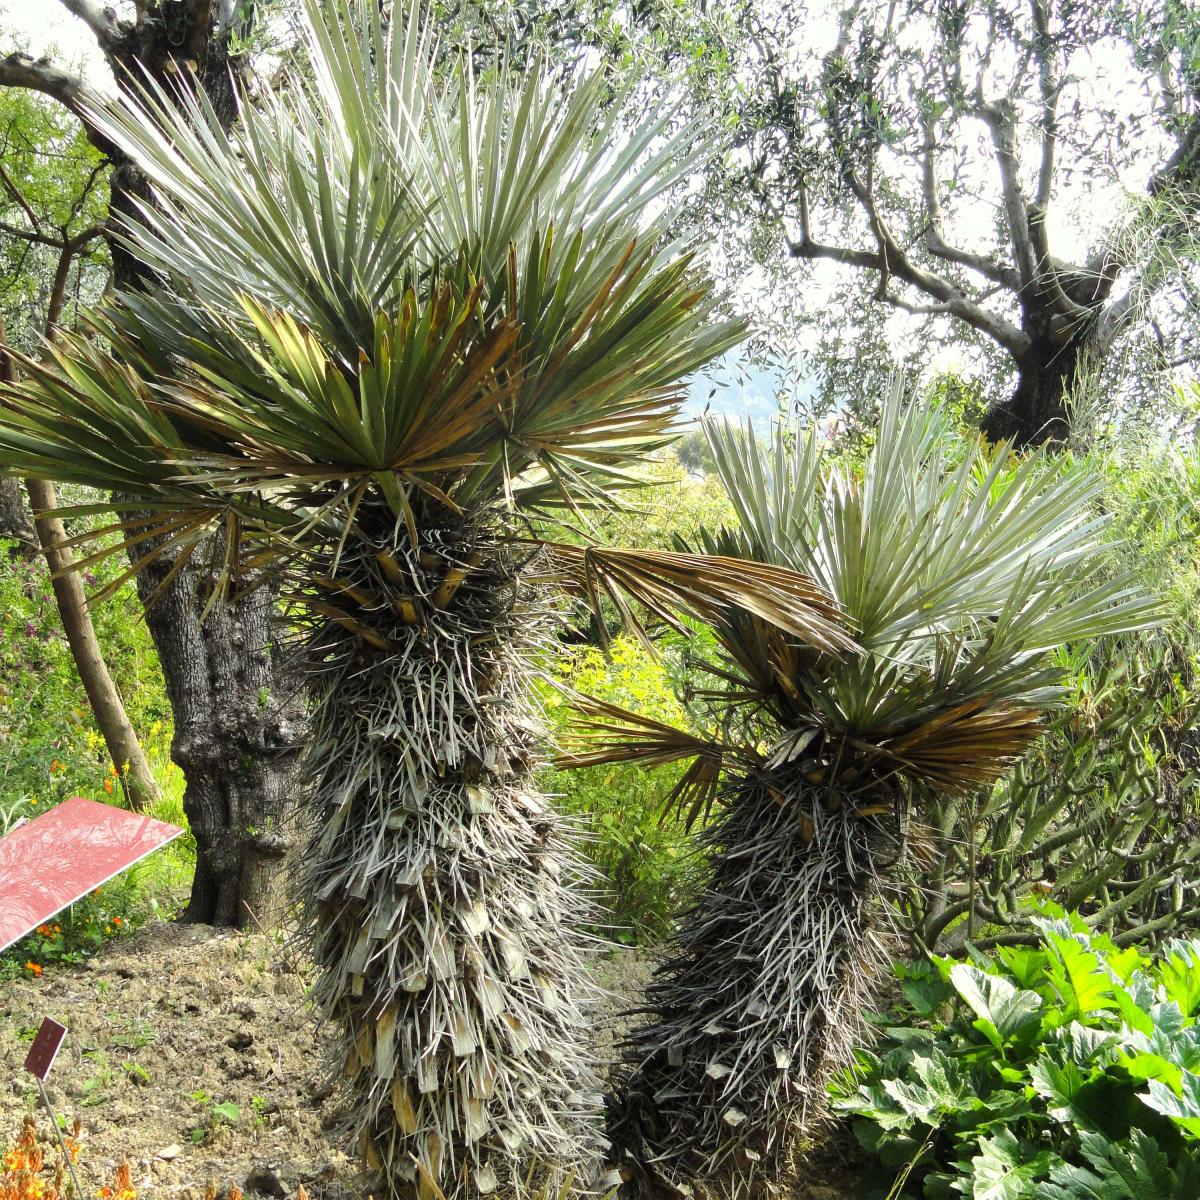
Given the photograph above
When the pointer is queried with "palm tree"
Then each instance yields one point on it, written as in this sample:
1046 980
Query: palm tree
401 313
960 571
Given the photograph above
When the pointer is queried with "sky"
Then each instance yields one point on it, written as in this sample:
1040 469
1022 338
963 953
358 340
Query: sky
42 26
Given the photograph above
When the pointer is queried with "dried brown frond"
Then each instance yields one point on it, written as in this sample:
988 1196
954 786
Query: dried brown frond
617 735
707 587
967 746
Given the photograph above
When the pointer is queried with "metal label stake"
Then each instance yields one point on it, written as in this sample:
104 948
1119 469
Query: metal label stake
38 1062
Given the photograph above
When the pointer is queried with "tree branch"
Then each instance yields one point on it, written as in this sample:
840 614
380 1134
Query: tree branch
40 75
101 21
891 261
1181 172
1043 48
32 235
1115 318
935 241
1027 226
69 248
999 119
15 192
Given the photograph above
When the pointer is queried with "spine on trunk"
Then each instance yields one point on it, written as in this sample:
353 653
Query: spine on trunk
760 999
440 906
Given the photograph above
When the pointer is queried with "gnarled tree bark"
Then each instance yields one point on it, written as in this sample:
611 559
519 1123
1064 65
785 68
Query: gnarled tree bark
16 521
237 726
237 731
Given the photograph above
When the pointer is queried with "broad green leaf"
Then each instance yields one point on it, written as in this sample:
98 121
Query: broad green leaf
1179 974
1139 1170
1004 1169
1082 1043
1004 1011
926 990
1026 964
935 1086
1135 1001
1061 1086
1079 975
1182 1106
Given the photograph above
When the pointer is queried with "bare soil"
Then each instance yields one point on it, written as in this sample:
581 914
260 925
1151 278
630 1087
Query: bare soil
175 1023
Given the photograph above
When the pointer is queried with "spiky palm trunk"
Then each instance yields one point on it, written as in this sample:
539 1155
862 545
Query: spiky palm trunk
437 896
762 995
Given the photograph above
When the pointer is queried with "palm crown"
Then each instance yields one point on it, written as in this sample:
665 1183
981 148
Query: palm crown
387 285
959 569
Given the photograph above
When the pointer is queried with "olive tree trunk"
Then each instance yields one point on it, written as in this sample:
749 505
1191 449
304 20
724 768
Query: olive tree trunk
239 718
16 521
1048 377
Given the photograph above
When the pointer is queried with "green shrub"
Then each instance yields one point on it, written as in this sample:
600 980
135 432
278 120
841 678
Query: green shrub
1102 813
1065 1071
51 748
646 869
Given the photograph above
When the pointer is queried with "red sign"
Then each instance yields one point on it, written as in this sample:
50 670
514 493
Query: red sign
44 1050
50 862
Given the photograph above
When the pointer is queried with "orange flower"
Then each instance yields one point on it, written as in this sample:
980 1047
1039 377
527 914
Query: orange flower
118 921
121 1187
108 786
44 930
33 968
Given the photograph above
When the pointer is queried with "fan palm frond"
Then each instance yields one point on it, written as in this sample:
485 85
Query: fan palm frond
958 571
704 587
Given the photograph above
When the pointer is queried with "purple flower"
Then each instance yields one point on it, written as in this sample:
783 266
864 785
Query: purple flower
30 629
89 578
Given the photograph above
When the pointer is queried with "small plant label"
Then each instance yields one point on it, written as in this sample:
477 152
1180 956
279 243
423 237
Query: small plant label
45 1048
38 1062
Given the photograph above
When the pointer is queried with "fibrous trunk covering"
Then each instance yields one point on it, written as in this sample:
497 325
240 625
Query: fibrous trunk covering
437 892
761 997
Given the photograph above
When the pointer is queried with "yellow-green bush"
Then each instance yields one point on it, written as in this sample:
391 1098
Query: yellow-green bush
642 856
